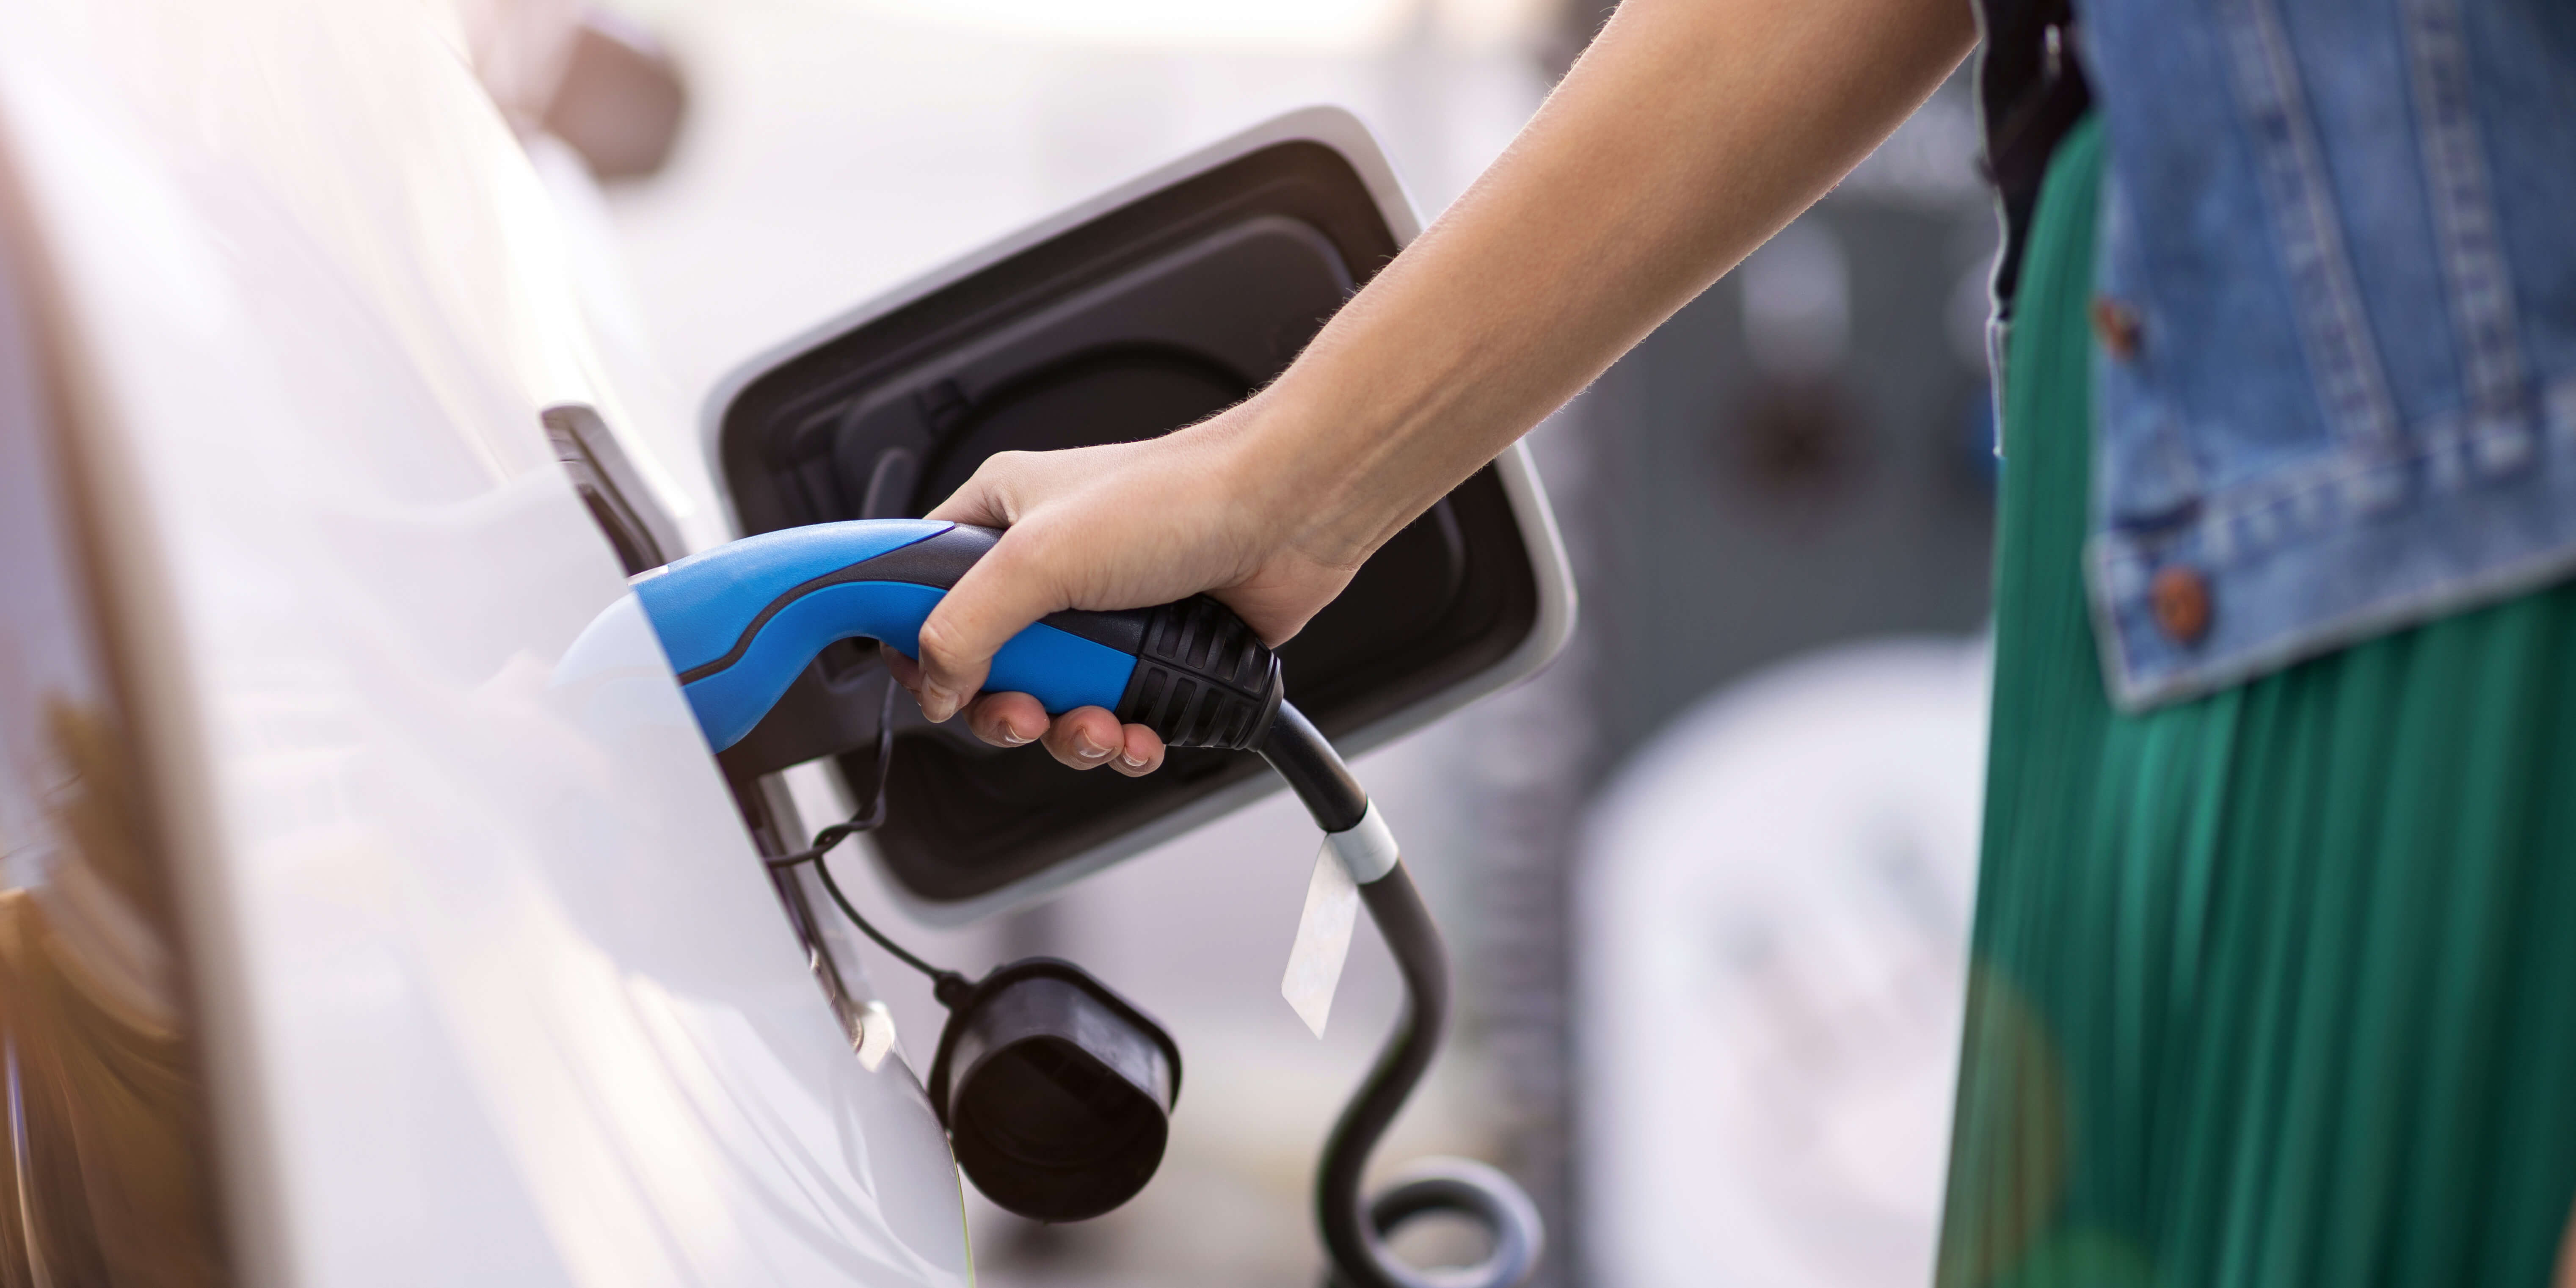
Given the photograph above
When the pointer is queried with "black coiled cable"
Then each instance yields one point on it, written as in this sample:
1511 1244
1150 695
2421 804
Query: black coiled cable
1356 1227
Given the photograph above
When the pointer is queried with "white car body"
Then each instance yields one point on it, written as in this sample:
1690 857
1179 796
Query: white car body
467 968
490 985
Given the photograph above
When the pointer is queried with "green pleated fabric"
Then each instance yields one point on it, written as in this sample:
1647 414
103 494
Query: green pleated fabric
2273 988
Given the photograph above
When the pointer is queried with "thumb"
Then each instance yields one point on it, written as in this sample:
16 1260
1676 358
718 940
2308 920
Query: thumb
997 598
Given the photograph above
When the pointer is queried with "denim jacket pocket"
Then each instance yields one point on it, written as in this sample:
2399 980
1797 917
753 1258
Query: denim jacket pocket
2335 373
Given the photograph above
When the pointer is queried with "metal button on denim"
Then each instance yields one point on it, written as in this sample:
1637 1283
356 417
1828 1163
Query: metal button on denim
2330 286
2116 325
2180 599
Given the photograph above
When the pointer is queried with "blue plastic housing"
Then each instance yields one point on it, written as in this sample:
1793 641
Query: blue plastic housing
739 622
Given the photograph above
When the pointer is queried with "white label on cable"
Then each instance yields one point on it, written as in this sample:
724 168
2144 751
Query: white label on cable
1368 849
1323 939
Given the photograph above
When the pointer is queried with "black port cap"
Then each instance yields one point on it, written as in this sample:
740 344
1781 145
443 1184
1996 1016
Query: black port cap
1057 1093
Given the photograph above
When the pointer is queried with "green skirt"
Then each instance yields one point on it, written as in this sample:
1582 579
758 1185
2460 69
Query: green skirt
2276 987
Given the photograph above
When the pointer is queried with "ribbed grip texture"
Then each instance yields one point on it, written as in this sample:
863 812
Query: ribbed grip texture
1203 679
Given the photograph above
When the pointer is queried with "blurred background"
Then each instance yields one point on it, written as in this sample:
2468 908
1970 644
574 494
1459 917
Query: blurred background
1707 879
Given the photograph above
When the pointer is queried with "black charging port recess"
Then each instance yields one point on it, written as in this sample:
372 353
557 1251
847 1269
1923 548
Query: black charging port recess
1144 319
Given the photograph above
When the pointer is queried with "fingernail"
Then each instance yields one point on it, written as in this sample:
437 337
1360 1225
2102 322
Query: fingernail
1133 760
1087 749
1014 737
937 703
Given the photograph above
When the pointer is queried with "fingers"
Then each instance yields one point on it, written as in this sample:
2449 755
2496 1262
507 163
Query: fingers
1007 719
994 601
1089 737
987 606
905 671
1142 754
1086 738
985 498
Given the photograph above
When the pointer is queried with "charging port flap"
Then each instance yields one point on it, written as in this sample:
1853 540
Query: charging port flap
1144 310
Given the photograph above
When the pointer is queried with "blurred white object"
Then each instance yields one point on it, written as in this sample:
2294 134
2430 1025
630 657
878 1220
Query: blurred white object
1772 945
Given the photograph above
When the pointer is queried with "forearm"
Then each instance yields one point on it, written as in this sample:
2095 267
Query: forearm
1688 134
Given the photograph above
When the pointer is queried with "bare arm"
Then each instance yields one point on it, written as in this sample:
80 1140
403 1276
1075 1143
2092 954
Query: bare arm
1689 133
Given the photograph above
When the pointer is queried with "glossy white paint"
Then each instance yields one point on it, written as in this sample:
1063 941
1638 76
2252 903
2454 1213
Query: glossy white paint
493 989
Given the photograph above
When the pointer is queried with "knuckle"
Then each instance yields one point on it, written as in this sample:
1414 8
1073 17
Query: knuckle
1029 545
936 642
998 472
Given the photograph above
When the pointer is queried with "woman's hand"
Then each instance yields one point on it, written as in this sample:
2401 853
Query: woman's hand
1690 131
1113 527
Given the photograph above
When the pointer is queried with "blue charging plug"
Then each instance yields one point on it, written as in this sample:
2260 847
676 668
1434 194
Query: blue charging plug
740 621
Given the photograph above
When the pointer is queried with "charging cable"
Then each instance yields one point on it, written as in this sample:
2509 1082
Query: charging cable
948 986
1356 1227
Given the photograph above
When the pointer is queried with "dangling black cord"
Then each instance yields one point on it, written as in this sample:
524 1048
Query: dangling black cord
867 819
1356 1224
946 985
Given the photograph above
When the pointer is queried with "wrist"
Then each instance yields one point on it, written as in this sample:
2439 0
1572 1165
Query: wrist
1306 477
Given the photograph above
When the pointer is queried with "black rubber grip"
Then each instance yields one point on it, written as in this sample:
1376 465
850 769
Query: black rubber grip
1202 678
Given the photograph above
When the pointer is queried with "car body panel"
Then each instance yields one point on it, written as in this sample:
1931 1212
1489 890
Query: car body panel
491 983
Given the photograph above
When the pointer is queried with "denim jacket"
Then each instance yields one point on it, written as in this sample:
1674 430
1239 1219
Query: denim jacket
2335 381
